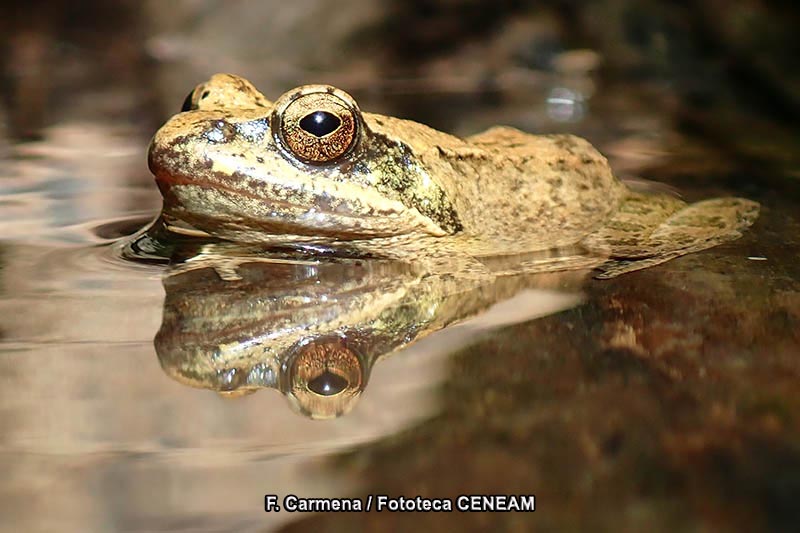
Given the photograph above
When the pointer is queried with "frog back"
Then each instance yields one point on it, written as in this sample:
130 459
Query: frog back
515 190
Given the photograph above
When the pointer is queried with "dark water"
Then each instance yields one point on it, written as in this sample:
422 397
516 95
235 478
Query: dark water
665 399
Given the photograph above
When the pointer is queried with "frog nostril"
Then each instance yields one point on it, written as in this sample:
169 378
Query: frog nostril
221 132
320 123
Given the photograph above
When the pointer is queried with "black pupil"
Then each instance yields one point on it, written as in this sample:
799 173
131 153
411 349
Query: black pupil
327 384
320 123
187 103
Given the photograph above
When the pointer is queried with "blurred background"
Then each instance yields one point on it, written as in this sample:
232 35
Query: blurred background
668 402
645 77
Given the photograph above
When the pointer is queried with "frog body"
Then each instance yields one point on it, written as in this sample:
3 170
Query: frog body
312 170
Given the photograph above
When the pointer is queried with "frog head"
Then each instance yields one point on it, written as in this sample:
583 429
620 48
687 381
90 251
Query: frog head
310 165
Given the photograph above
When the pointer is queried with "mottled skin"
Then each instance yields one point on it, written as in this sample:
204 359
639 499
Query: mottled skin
229 167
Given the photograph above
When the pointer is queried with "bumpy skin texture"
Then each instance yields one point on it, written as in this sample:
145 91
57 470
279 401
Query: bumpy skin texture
396 188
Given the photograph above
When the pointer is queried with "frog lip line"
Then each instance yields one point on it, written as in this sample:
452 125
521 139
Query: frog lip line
179 180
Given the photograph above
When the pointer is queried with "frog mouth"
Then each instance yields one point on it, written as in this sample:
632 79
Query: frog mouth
217 206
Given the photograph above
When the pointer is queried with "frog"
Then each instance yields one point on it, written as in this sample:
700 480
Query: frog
312 172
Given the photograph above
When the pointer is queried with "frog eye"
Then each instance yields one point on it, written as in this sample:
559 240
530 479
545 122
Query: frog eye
195 98
316 123
224 91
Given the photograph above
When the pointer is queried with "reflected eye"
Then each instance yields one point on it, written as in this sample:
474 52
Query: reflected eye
324 378
316 124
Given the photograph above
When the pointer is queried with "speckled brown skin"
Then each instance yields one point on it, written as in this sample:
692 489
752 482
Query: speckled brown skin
403 190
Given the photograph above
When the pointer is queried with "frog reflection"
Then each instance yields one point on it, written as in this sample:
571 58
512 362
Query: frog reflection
325 378
311 330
